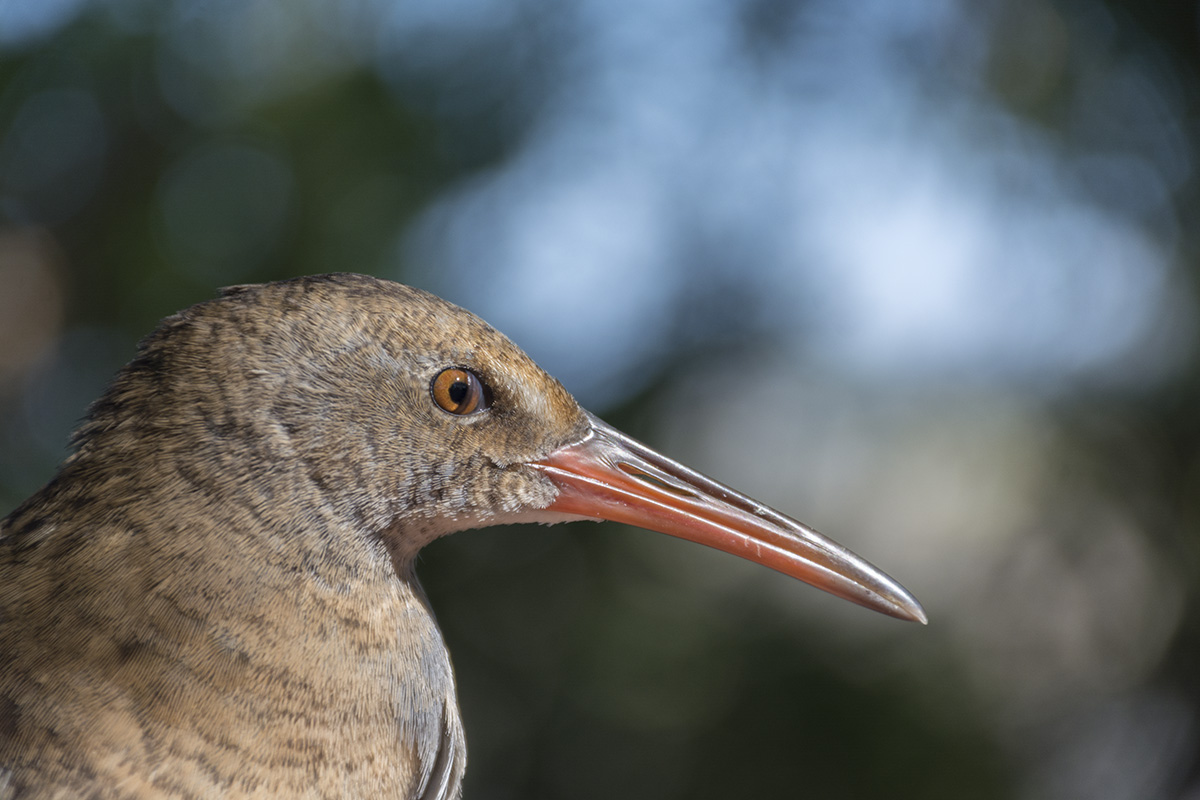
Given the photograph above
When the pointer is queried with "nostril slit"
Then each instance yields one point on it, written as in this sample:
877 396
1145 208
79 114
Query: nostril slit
651 480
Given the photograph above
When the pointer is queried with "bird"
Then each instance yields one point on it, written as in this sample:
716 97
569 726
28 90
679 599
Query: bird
215 595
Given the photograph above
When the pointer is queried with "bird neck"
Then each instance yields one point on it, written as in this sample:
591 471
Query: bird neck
231 623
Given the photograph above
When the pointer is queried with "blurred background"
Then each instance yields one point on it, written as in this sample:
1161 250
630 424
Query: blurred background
922 274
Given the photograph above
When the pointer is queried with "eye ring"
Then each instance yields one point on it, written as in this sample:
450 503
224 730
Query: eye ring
459 391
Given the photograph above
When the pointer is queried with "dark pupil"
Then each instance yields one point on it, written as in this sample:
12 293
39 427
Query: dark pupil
458 392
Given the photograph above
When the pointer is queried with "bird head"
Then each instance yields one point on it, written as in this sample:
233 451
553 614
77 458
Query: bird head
405 417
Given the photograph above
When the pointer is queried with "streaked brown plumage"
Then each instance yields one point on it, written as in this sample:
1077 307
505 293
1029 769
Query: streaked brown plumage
215 595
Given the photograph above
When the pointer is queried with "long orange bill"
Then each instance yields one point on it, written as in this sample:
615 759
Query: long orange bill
610 476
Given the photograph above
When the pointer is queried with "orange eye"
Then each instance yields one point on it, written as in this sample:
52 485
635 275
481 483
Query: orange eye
460 391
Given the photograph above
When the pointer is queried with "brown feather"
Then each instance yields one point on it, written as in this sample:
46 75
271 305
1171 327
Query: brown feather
215 596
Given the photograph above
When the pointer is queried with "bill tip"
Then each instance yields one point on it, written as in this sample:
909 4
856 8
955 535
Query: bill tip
913 612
